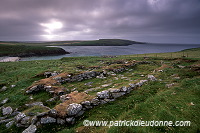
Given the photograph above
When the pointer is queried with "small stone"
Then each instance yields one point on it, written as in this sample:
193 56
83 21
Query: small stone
70 120
177 78
7 111
30 129
89 83
86 104
60 121
32 89
95 102
64 98
19 125
50 100
12 86
113 90
169 85
180 66
19 117
192 104
25 120
31 97
141 83
47 88
2 118
34 120
103 102
42 114
53 112
124 89
6 120
4 101
103 94
9 124
31 114
4 88
132 85
35 104
16 112
106 85
151 78
118 94
47 120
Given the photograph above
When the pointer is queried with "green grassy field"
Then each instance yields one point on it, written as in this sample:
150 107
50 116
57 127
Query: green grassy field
152 101
189 53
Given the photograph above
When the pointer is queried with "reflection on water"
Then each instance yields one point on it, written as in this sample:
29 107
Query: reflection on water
77 51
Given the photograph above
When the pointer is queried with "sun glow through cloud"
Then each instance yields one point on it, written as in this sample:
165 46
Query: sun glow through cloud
51 28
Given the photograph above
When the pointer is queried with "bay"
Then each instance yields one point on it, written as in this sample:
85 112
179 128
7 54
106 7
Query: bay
78 51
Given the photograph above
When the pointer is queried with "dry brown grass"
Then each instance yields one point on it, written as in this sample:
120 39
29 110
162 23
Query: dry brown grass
85 129
164 66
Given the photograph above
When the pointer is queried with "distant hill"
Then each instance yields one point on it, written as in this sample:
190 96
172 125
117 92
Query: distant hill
19 50
104 42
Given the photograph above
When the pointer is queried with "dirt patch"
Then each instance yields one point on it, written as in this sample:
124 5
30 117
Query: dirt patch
184 60
74 97
46 81
51 80
164 66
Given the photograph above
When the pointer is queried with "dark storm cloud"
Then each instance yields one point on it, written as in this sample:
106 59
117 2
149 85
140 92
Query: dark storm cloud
143 20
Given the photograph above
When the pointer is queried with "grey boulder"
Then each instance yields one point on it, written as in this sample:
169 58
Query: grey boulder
73 109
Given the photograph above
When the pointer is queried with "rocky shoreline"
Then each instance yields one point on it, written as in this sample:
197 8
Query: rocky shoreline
41 53
17 57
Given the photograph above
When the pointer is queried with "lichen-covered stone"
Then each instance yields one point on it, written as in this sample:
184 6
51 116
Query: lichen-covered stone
86 104
30 129
73 109
7 110
9 124
151 78
47 120
95 102
103 94
19 117
4 101
26 120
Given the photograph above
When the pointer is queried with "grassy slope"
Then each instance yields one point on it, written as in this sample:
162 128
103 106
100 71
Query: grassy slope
26 50
190 53
152 101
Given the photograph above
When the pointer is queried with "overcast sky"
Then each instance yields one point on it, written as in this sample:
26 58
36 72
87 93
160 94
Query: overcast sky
174 21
